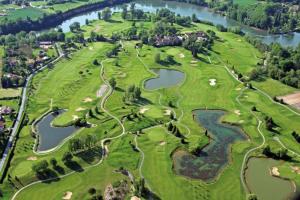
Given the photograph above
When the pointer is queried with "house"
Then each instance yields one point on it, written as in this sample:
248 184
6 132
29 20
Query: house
201 36
161 41
2 124
5 110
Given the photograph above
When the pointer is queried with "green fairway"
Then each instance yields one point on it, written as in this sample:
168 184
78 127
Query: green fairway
138 138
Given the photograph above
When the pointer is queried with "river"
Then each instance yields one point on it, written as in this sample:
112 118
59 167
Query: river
292 39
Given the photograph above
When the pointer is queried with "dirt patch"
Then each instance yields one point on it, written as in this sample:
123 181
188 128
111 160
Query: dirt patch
212 82
143 110
32 158
168 112
162 143
87 100
67 195
181 55
275 172
238 112
80 109
291 99
102 90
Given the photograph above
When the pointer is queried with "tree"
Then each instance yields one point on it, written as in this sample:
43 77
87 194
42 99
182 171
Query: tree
99 15
92 191
113 83
194 18
87 22
74 27
67 157
157 58
53 162
124 11
253 108
95 62
40 167
106 14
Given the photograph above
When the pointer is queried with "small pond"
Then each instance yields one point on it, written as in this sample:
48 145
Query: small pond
166 78
260 181
49 136
213 157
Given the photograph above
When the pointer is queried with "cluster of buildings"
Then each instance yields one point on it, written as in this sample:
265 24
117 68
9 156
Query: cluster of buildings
176 40
4 111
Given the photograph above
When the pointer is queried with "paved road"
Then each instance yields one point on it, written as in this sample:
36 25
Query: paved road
22 108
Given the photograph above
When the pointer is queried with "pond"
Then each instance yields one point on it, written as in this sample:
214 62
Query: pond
166 78
292 39
213 157
260 181
49 136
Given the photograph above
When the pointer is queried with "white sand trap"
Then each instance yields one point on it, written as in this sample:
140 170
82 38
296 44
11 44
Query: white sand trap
91 48
181 55
212 82
238 112
162 143
32 158
135 198
102 90
296 169
80 109
275 171
168 112
194 61
75 117
88 99
241 121
67 195
143 110
239 40
238 89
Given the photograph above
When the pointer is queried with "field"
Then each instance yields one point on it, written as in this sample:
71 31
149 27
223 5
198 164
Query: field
22 13
141 143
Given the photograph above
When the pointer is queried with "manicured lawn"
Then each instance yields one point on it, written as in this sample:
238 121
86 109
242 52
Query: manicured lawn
73 80
11 92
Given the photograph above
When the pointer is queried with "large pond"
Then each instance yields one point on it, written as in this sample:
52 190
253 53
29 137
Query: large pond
49 136
213 157
202 13
267 187
166 78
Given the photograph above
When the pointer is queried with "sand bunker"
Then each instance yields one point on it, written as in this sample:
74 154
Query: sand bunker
212 82
88 99
238 89
80 109
162 143
67 195
274 171
239 40
296 169
91 48
75 117
168 112
194 61
135 198
181 55
32 158
102 90
143 110
238 112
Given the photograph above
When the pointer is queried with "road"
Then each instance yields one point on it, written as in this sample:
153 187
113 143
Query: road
22 108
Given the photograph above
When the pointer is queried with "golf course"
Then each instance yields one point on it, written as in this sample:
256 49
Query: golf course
155 122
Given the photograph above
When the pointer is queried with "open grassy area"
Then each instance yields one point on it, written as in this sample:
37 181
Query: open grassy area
11 92
72 81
